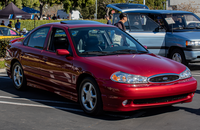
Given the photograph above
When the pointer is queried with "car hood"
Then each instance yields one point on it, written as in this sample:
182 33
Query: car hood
139 64
188 35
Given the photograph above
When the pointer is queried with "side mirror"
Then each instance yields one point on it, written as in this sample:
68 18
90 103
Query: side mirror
62 52
145 46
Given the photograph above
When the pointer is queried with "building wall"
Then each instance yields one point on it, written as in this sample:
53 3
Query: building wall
170 4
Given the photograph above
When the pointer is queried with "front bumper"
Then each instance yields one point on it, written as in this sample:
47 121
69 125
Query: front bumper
113 94
192 55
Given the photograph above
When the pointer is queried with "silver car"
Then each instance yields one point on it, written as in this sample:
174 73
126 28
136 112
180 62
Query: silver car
173 34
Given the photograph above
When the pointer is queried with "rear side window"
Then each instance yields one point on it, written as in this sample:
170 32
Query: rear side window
38 37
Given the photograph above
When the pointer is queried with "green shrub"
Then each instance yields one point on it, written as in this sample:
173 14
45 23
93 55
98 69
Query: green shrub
3 44
2 64
29 24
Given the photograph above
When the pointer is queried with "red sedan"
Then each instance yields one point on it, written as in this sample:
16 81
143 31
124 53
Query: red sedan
98 65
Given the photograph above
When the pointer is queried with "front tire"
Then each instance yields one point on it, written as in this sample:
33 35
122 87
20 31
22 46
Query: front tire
18 77
90 97
178 55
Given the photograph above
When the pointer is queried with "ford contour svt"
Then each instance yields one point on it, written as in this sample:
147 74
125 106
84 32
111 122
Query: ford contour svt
100 66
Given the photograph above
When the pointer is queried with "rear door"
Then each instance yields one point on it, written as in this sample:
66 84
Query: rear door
31 57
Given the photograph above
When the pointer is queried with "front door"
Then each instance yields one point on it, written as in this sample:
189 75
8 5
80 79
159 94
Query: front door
57 71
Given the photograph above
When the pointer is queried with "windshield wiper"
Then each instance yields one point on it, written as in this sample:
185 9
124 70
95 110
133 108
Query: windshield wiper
189 27
141 52
177 28
94 53
125 51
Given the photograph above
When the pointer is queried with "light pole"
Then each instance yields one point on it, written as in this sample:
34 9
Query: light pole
143 2
96 11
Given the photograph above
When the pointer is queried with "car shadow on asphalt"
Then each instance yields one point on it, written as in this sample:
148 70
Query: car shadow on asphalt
194 66
197 91
38 94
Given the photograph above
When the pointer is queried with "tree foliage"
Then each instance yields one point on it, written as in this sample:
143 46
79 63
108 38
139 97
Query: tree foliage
86 7
189 6
152 4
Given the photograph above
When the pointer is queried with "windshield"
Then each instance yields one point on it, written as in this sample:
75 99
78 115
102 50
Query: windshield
104 41
182 21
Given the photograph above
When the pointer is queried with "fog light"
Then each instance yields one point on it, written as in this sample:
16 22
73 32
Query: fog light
125 102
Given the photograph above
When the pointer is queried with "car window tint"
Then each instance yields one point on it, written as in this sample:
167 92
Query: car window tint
38 37
103 40
142 23
98 36
59 40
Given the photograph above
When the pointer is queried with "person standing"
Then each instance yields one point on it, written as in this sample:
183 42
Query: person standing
10 24
2 23
17 25
120 23
108 19
54 17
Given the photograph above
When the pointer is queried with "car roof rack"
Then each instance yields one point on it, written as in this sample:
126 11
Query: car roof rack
79 22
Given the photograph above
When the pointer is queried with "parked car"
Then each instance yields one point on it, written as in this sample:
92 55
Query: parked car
6 32
173 34
99 65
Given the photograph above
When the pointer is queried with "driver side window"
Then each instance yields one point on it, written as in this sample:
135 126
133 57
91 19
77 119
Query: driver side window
59 40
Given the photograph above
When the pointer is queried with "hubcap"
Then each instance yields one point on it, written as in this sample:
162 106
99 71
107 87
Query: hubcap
177 57
17 75
88 96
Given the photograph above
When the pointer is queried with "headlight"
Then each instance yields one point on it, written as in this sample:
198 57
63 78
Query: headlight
192 43
128 78
185 74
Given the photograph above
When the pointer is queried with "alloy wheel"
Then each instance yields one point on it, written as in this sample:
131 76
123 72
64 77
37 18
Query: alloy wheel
17 75
88 96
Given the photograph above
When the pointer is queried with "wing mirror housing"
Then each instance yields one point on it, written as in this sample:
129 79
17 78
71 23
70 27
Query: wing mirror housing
62 52
145 46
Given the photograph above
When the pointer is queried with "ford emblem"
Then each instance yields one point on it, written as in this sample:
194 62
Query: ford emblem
165 78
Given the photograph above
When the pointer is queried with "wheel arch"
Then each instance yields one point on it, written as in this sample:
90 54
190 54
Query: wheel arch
81 77
12 63
173 48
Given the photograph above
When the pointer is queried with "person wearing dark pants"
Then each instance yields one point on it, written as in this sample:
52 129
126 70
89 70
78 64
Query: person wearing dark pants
17 25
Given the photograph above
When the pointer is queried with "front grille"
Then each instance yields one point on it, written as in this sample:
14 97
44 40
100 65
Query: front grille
160 100
164 78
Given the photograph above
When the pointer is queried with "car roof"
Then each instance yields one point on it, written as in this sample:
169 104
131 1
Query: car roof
80 24
155 11
127 6
131 9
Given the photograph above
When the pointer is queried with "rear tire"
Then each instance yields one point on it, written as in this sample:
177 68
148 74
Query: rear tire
18 77
178 55
90 97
